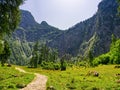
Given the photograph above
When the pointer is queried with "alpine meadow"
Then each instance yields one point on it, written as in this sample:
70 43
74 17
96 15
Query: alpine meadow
40 56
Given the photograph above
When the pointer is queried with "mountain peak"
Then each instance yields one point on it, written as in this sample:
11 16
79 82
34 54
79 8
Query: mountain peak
44 23
110 4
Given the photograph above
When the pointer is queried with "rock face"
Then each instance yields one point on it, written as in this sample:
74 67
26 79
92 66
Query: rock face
31 31
28 32
93 34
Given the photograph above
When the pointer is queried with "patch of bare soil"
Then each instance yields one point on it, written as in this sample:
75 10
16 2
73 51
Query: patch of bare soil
39 82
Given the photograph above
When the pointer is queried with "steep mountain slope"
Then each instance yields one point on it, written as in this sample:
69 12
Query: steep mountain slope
31 31
28 32
93 34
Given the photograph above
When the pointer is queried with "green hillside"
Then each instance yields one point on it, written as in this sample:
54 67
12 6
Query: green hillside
112 57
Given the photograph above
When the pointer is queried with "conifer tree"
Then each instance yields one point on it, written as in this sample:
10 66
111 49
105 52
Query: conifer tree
63 63
6 53
9 20
90 56
35 56
9 15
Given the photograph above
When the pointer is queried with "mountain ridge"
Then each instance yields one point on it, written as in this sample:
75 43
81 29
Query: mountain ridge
93 34
77 40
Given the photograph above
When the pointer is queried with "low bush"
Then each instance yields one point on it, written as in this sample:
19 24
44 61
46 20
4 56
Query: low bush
50 66
21 85
47 65
103 59
117 66
56 66
11 86
63 66
112 57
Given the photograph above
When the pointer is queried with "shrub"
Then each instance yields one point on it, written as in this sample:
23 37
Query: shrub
21 85
112 57
70 65
96 62
103 59
50 66
63 66
56 66
115 59
83 63
117 66
11 86
47 65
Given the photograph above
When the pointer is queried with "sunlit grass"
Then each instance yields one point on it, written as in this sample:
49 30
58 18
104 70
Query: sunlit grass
10 78
76 78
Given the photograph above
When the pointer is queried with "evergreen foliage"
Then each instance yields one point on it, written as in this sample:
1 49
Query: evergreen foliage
112 57
9 15
90 56
48 58
1 46
93 33
48 54
45 57
9 20
35 56
6 53
63 63
20 52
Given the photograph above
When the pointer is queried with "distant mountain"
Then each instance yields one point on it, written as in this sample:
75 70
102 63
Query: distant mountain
31 31
93 34
28 32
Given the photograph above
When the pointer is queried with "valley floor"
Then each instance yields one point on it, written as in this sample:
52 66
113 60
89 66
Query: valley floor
80 78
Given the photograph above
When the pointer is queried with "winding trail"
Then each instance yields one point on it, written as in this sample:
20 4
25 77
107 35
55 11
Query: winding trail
39 82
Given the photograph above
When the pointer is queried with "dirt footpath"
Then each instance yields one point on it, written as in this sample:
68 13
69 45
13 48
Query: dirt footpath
39 82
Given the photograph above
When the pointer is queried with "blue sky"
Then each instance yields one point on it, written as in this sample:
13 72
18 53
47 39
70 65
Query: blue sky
62 14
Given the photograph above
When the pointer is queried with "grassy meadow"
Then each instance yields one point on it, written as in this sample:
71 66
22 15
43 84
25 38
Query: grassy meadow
11 79
78 78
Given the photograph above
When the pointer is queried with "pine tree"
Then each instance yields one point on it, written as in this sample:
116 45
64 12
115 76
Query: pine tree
90 56
44 53
9 20
113 39
35 59
9 15
63 63
6 53
1 46
35 56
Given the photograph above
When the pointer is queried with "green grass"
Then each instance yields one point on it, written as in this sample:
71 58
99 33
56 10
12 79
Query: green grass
10 78
76 78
